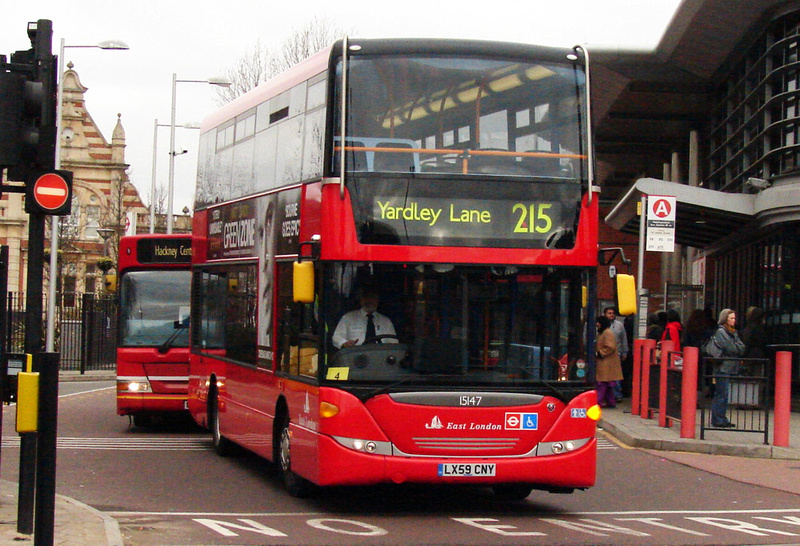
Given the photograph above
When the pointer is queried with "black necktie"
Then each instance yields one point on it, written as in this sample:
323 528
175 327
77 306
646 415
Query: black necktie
370 329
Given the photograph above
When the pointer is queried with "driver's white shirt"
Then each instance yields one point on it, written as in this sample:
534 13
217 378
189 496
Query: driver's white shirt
353 325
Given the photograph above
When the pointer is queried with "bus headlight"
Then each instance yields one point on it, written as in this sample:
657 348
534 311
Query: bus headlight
557 448
136 386
373 447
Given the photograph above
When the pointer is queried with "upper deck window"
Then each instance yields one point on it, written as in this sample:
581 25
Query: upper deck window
472 116
245 126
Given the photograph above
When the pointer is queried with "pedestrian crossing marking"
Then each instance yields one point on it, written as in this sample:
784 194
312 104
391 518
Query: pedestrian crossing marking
125 444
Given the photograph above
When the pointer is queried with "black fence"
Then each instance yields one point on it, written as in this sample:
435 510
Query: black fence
85 329
748 400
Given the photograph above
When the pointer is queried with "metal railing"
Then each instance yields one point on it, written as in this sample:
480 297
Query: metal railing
748 397
86 329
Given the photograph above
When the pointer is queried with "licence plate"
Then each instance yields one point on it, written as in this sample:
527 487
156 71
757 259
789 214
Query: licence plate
472 470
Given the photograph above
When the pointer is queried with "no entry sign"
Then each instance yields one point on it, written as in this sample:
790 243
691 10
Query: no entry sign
50 193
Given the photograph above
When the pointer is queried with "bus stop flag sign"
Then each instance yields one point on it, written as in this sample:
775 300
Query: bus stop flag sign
660 223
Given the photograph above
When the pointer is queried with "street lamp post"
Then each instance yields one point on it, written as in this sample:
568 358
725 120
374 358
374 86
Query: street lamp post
105 234
156 125
171 188
54 220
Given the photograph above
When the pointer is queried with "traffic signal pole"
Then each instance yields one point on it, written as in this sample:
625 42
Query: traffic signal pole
28 99
37 456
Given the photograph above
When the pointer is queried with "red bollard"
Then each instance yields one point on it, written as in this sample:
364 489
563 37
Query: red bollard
644 377
642 351
783 396
667 347
689 391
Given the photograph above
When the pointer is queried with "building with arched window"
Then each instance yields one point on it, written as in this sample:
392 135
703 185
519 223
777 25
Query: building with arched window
104 202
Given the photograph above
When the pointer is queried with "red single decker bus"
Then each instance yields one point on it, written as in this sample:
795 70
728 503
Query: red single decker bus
394 268
153 346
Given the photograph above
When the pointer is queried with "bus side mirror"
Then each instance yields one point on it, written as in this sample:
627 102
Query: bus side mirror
303 282
626 294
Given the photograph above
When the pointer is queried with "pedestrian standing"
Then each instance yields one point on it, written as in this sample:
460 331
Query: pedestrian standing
608 369
656 322
673 330
754 335
725 343
621 337
697 332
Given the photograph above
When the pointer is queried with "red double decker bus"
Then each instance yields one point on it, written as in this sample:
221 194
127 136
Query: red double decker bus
445 183
153 345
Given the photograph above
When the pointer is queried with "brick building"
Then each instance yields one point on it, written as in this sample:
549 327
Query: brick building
104 202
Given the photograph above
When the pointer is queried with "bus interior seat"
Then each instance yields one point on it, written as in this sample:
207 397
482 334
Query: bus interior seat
495 164
529 358
356 160
393 161
546 166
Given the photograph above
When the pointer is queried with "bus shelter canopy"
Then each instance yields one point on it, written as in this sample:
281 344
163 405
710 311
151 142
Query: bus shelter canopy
703 217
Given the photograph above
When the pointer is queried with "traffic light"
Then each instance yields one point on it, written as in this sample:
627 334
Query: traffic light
28 105
11 106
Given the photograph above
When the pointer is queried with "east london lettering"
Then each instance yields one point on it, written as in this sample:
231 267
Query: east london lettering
413 212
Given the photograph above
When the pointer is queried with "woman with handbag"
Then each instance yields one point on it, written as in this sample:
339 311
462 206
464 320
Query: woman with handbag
724 343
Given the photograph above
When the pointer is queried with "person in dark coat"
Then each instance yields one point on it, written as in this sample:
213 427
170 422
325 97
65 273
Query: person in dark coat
655 325
754 335
697 331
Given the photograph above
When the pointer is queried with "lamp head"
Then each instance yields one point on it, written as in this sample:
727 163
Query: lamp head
220 81
113 44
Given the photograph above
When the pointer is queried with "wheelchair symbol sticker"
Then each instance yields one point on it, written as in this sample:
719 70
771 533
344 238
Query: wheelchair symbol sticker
522 421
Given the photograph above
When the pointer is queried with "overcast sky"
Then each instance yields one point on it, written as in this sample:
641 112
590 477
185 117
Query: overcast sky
199 39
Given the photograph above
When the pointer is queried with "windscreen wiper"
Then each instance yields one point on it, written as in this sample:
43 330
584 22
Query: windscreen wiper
179 327
556 391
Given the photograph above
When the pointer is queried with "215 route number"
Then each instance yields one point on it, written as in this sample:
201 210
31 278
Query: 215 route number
533 218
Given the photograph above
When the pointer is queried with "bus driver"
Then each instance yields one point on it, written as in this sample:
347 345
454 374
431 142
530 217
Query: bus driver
364 324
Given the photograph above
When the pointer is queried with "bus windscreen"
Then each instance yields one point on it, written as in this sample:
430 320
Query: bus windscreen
154 308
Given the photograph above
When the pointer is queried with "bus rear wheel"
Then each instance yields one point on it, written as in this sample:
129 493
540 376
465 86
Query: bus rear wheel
295 485
222 445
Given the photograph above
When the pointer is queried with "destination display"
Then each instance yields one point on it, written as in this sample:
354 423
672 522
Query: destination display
472 213
445 221
164 251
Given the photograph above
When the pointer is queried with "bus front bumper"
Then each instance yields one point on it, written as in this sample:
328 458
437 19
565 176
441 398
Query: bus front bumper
339 465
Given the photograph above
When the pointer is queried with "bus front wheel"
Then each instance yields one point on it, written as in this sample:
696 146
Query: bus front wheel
295 485
222 445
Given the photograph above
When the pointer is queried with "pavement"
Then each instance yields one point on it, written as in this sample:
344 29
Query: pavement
75 523
636 431
79 524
